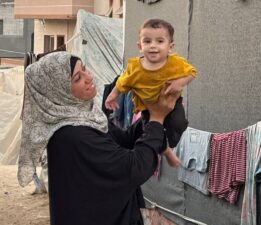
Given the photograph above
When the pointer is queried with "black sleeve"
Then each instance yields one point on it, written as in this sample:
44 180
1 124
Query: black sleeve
144 156
139 155
126 138
104 159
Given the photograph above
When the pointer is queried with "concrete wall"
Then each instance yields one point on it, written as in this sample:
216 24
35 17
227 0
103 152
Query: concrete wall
17 37
222 40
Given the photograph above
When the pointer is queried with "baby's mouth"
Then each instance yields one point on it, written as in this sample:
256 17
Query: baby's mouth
153 53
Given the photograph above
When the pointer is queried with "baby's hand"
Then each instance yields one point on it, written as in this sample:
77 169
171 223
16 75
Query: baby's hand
111 102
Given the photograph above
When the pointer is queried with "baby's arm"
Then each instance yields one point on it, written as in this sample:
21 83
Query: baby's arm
111 101
171 158
175 86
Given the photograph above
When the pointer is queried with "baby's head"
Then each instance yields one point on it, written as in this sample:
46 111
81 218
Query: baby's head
159 23
155 42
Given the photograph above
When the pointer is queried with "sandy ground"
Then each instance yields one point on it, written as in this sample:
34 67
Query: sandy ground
19 206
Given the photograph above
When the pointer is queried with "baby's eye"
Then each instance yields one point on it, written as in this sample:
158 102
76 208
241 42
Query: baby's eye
146 41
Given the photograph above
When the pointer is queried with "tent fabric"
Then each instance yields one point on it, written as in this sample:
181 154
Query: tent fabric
99 43
11 98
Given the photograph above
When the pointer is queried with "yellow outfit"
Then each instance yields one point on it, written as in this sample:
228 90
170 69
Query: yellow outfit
146 84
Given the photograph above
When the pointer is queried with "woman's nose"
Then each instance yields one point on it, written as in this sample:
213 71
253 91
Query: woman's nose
88 77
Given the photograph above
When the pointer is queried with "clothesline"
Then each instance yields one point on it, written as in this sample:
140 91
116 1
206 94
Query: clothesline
229 196
155 205
4 50
244 129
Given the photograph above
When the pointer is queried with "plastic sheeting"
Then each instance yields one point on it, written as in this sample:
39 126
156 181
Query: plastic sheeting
11 98
98 41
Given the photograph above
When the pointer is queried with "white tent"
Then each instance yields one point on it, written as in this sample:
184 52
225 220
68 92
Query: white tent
11 98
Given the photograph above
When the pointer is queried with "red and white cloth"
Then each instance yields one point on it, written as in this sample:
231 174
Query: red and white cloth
227 165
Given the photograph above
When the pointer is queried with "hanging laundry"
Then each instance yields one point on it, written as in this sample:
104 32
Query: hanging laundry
227 164
123 115
249 210
193 151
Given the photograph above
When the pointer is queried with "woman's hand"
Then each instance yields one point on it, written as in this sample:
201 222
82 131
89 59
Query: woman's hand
175 86
159 110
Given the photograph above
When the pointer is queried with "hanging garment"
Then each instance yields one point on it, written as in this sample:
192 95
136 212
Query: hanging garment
227 164
123 115
193 151
249 212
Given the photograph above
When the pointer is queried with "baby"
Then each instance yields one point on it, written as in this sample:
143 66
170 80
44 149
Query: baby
146 75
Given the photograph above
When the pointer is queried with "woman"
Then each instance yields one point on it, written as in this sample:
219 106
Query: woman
94 172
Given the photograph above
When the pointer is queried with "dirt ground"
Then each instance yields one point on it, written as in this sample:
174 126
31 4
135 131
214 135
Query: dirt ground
19 206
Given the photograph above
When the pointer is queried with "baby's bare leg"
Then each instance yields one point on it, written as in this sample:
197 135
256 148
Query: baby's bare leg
171 158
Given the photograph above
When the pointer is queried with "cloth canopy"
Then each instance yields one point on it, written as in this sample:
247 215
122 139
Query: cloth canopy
98 41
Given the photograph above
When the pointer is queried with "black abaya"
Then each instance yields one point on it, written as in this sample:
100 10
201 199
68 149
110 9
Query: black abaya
93 180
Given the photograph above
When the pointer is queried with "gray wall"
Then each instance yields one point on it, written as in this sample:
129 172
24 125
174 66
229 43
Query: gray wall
17 33
222 40
225 46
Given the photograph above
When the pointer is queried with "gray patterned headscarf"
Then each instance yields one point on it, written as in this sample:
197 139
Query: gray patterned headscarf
48 106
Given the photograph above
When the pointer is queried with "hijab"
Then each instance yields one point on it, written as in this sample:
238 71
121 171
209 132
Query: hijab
48 106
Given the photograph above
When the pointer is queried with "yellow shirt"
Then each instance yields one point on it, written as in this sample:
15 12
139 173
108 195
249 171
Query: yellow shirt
146 84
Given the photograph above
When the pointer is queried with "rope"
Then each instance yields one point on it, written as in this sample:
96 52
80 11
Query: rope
11 51
155 205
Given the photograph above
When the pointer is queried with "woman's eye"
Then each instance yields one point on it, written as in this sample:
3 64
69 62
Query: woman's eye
77 77
83 68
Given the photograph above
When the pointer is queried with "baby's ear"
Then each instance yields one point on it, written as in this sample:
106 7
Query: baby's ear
171 46
138 45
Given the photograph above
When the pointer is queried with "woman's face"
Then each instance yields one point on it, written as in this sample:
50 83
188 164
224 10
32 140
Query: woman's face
82 83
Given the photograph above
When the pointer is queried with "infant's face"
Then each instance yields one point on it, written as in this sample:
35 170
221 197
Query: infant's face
155 44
